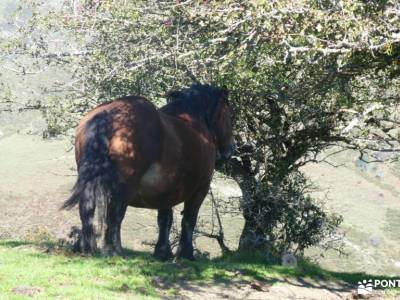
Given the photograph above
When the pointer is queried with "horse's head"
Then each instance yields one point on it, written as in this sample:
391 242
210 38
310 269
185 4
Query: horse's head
222 127
207 104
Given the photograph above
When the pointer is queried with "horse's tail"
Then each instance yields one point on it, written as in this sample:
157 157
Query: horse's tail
97 179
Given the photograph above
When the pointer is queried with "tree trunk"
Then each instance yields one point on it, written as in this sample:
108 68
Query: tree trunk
261 210
253 235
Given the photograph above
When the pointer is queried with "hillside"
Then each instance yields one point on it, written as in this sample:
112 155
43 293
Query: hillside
38 174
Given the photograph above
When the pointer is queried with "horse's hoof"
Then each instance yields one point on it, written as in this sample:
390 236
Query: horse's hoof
110 251
76 247
185 255
84 247
163 253
89 251
163 256
191 258
107 251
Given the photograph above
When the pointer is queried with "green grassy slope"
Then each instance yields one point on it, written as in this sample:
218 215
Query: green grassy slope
48 272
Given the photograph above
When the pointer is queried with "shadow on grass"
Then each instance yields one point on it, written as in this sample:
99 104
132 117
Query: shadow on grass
15 244
237 268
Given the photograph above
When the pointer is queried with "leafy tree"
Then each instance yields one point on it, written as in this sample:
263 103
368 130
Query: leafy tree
304 76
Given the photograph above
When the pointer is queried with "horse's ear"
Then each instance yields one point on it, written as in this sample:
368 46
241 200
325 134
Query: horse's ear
173 95
225 91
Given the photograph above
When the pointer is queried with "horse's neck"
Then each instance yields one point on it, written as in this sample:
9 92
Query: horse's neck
177 109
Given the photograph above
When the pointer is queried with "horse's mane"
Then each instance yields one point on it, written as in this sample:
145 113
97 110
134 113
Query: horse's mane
199 101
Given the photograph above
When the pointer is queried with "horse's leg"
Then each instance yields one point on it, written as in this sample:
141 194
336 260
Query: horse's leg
120 217
164 221
115 214
190 212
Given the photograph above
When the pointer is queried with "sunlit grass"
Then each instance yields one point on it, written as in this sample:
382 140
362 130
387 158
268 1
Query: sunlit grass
61 274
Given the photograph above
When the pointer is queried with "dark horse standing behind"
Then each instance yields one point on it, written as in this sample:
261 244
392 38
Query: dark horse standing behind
128 152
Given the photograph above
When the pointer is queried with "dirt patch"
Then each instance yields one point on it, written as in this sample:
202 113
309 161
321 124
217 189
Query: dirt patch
273 290
29 291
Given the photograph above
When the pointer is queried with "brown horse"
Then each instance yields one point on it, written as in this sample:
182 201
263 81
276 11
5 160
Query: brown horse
128 152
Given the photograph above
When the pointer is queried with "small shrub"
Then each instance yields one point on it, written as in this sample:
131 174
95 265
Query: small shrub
289 220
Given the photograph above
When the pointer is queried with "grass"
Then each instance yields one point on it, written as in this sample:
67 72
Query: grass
60 274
